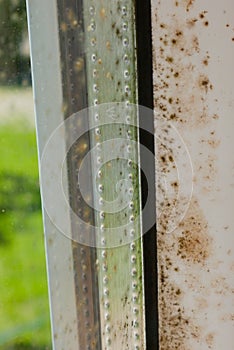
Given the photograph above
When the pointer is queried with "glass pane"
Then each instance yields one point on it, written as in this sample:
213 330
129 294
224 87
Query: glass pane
24 307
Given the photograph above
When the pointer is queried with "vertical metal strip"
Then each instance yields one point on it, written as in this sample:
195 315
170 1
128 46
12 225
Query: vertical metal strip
47 86
111 70
73 69
147 137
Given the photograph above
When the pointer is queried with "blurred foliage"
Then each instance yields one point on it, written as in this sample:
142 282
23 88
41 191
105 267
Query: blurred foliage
19 196
24 311
14 63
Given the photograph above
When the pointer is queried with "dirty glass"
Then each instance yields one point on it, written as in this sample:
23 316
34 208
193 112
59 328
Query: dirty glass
24 309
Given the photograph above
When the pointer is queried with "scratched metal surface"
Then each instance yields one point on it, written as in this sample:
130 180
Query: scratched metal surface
193 43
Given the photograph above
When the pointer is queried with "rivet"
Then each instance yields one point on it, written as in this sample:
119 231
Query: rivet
108 329
124 10
99 160
92 10
104 254
125 42
93 57
102 215
106 291
107 316
100 188
126 74
129 149
136 336
98 131
107 304
134 298
95 88
130 191
105 280
125 26
126 59
103 241
128 119
93 41
132 233
105 267
108 341
129 133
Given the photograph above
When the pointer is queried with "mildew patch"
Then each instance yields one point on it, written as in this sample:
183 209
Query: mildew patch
192 243
185 94
176 70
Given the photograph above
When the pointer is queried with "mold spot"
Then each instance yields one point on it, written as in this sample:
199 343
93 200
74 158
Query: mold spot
194 242
188 4
191 22
210 340
204 83
169 59
205 62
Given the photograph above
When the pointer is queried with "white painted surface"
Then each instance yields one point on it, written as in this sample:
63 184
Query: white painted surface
194 48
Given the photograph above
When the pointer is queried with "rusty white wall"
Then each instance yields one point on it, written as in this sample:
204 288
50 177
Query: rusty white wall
193 48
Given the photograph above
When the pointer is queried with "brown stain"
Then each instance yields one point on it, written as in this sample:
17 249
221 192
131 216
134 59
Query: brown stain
103 14
194 241
187 4
210 340
178 75
183 94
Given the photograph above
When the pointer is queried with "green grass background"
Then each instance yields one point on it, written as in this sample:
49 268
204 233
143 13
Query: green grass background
24 311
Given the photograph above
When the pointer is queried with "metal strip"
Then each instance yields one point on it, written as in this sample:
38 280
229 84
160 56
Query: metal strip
71 34
111 70
47 86
147 137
